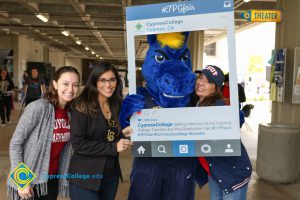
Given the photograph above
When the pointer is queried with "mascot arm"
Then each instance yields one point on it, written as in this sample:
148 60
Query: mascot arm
131 104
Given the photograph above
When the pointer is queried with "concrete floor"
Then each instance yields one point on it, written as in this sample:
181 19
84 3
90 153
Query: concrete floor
258 188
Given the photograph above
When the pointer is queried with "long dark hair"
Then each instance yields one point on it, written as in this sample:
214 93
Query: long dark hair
7 77
209 100
52 95
87 102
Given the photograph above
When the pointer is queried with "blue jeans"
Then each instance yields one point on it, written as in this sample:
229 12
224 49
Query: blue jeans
216 192
107 191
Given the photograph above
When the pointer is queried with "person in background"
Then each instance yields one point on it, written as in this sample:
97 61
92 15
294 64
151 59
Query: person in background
25 77
226 92
241 94
6 92
34 87
41 139
228 177
96 136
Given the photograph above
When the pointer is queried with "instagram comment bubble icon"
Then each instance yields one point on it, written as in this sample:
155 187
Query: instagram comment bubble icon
206 148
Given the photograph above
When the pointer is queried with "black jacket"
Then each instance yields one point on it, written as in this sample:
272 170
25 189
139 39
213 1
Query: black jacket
91 150
241 92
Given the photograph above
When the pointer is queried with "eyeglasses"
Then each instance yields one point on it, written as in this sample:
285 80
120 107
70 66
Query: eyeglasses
110 81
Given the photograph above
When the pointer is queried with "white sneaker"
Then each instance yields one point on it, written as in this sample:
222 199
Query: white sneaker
3 124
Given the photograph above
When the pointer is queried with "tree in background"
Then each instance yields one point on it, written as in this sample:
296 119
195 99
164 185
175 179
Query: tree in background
255 75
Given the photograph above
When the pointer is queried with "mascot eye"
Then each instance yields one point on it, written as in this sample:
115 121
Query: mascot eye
184 58
160 58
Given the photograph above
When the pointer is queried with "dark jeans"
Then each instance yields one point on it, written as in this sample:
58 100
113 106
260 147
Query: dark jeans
107 191
52 187
169 179
5 108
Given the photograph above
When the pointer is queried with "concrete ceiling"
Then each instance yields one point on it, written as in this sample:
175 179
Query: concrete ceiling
98 24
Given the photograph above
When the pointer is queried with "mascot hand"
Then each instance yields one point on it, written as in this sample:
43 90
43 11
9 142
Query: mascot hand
131 104
242 118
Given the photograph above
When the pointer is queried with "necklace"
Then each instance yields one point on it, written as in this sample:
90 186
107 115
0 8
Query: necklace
105 110
104 105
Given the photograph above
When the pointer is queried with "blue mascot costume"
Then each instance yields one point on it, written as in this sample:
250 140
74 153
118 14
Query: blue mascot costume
170 83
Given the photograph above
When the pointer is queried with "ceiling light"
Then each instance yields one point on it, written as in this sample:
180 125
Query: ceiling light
5 29
65 33
93 52
101 58
78 42
97 55
42 17
246 1
87 48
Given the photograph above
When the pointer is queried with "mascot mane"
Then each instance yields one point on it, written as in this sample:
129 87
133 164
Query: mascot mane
173 40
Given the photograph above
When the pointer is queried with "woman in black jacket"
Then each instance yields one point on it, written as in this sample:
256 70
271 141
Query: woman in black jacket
96 136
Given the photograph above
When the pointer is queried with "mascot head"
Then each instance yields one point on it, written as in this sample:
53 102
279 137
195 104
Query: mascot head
167 70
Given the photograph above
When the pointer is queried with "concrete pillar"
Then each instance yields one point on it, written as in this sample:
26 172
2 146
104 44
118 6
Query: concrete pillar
278 158
278 151
46 54
288 36
196 46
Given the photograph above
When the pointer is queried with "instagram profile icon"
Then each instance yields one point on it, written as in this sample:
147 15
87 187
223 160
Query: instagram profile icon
183 148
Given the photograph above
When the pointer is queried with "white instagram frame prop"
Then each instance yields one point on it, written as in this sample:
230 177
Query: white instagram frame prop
189 123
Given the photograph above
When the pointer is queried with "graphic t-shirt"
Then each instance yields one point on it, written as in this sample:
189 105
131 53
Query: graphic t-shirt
112 135
61 135
34 87
5 87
